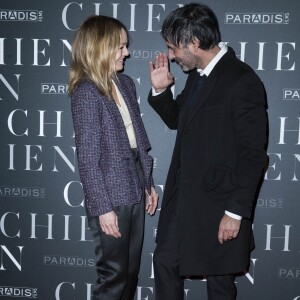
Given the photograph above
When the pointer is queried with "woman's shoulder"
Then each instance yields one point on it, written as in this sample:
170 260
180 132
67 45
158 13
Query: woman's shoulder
126 81
125 78
85 85
85 91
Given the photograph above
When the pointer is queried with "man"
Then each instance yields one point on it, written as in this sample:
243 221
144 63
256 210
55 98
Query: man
205 222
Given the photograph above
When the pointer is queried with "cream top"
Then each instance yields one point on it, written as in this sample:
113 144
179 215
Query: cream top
126 118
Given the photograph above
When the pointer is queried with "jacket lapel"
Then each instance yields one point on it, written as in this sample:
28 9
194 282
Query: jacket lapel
119 123
114 112
126 93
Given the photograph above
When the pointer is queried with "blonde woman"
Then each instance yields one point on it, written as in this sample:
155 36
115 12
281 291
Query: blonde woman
112 149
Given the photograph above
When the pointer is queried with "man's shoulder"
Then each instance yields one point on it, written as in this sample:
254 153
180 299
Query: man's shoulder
232 66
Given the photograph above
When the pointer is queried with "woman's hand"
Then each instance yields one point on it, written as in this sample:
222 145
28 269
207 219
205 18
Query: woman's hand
152 200
109 224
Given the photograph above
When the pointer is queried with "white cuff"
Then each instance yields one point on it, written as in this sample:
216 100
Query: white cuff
154 93
232 215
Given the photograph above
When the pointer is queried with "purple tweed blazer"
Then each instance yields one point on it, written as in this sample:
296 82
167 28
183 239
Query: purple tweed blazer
105 160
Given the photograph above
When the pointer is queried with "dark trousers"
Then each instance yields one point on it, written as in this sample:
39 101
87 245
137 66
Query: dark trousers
118 259
168 283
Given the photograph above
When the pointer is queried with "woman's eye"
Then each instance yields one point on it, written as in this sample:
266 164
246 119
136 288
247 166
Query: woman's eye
122 47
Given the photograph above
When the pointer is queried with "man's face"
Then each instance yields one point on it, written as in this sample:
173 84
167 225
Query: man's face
185 56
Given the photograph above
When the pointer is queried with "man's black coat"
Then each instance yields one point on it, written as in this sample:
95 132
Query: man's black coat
217 163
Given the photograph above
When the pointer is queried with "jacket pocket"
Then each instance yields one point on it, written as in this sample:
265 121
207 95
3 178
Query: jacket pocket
219 180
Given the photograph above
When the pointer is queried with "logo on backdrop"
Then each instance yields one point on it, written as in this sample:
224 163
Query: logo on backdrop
143 53
22 292
256 18
291 94
154 162
22 192
154 232
21 15
68 261
289 273
270 202
54 88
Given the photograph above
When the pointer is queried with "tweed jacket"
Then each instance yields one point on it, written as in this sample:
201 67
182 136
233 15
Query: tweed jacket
105 160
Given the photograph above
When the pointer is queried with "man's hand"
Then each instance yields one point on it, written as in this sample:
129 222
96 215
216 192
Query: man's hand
151 201
160 76
229 229
109 224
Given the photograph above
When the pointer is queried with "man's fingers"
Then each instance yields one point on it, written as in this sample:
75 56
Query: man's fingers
224 236
165 58
161 60
227 236
157 61
220 237
151 66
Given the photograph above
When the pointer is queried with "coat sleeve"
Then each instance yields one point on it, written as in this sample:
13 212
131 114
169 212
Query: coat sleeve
168 108
250 128
86 113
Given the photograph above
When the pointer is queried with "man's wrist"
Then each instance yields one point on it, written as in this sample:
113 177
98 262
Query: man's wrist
156 92
232 215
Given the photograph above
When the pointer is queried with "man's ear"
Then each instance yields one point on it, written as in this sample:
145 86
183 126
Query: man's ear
195 43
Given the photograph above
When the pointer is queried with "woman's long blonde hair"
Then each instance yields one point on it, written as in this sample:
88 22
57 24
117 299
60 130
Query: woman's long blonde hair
94 53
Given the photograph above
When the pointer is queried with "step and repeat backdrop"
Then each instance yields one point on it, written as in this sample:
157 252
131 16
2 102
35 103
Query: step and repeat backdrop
46 250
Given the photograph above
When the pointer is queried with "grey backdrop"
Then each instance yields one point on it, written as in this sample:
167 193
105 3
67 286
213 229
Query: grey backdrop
45 246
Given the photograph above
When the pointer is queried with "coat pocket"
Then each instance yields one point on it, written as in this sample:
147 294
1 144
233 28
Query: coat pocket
219 180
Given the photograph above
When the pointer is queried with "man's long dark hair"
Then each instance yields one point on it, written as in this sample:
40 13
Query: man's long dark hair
192 21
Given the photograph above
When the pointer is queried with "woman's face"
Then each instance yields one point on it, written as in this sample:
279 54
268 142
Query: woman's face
122 51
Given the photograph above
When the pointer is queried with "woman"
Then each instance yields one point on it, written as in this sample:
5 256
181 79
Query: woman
112 148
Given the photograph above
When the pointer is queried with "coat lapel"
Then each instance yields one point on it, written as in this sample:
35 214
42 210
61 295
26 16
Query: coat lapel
203 96
208 86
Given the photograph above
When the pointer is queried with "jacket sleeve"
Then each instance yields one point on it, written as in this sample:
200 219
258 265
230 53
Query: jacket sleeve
86 113
250 126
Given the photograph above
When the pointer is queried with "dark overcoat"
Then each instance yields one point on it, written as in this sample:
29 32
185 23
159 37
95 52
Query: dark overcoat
105 160
217 164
